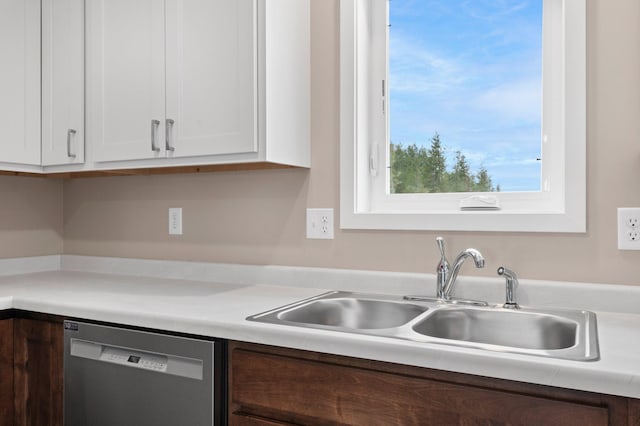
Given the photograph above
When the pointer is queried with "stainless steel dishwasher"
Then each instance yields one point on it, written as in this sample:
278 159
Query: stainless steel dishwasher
120 377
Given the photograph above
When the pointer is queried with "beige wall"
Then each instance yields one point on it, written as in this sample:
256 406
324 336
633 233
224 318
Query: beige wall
30 216
258 217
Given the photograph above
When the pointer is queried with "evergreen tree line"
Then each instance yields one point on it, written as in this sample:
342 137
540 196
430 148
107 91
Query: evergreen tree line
417 170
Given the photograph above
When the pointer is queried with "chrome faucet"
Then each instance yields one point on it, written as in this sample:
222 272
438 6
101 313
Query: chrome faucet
446 275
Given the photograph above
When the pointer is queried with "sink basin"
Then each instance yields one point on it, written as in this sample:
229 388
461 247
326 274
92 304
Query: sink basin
346 311
520 329
554 333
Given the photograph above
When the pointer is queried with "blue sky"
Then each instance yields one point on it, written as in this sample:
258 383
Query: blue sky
471 71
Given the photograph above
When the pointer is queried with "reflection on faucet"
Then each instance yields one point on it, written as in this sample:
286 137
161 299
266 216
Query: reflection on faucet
446 276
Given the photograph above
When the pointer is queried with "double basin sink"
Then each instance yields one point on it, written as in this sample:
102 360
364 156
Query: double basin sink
555 333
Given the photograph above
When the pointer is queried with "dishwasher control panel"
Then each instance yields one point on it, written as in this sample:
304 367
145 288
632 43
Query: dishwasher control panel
131 357
134 358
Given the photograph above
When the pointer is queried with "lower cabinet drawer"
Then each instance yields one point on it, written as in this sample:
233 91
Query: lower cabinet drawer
267 388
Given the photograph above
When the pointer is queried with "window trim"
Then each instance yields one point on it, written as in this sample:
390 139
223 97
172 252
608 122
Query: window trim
566 212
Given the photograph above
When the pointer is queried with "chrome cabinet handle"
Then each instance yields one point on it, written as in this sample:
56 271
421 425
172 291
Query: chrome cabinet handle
70 133
154 130
168 132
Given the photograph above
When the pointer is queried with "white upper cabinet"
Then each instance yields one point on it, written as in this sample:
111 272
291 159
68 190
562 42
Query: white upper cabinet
90 85
62 82
125 78
185 82
20 81
171 78
211 77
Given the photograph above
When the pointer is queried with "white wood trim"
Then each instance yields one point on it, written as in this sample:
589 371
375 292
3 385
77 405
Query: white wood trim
287 68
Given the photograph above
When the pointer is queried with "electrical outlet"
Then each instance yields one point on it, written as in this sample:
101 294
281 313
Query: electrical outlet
175 221
629 228
320 224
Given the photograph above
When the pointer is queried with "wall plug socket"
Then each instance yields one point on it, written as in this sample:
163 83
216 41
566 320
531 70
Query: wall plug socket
629 228
320 224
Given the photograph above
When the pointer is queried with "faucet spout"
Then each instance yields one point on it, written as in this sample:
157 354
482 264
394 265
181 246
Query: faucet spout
478 260
446 276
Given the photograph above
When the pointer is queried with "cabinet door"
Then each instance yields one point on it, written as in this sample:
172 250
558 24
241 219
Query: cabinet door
20 81
38 374
211 77
62 82
125 79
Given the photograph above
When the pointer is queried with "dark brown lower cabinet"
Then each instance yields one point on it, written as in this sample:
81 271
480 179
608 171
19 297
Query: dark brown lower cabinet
634 412
6 372
276 386
38 372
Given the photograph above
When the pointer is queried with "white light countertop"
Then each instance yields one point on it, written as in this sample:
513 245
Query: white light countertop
215 299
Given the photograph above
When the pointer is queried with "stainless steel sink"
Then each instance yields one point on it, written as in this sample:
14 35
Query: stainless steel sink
347 312
555 333
521 329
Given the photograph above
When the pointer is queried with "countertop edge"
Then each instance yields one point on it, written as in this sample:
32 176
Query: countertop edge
210 308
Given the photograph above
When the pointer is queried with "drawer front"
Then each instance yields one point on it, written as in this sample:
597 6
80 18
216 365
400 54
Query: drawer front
315 392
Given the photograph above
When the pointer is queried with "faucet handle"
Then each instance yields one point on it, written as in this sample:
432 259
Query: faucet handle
440 242
442 269
511 282
443 264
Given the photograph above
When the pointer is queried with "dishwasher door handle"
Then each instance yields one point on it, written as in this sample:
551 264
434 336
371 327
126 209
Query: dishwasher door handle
84 349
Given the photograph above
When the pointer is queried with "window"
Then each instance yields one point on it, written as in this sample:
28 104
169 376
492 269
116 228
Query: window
369 199
463 95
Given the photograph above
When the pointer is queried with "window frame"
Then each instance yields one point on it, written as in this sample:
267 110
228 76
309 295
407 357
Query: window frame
559 207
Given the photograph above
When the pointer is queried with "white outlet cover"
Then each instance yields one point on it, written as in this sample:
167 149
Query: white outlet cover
175 221
320 224
628 228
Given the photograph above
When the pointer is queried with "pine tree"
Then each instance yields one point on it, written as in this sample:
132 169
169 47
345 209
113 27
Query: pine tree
461 179
483 181
418 170
436 176
396 152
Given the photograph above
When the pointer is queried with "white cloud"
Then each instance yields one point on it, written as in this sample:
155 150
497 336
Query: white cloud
418 69
518 100
491 10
